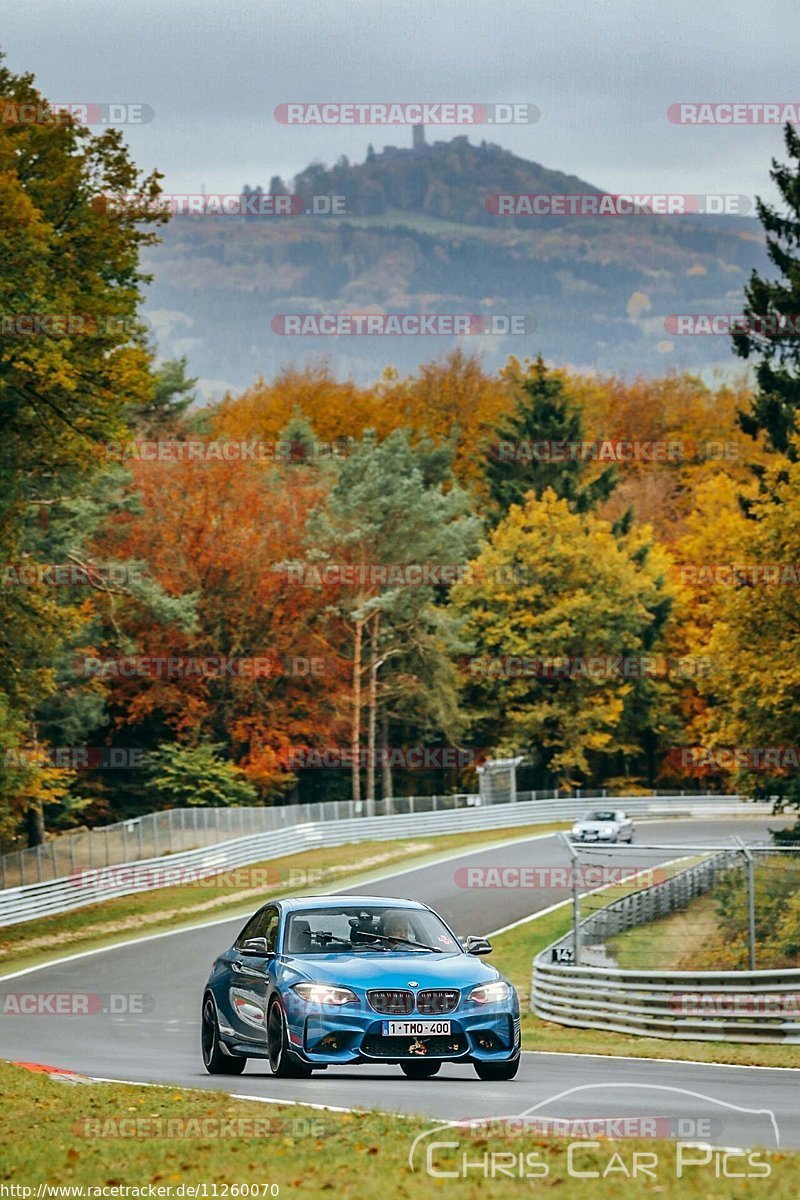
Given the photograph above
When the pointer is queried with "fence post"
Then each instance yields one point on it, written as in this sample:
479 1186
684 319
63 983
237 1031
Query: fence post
751 906
576 901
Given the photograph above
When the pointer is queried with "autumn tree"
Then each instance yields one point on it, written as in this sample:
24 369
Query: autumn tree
753 641
71 358
214 534
392 504
558 587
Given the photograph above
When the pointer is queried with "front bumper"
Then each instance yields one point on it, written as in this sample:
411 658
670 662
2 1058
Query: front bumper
356 1036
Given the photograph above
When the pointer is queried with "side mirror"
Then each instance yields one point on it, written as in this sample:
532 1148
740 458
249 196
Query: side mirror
257 947
477 945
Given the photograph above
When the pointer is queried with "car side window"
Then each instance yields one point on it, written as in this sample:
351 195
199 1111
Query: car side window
271 931
263 924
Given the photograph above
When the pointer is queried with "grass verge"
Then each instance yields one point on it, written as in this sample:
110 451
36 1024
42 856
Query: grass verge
65 1137
674 943
513 955
236 892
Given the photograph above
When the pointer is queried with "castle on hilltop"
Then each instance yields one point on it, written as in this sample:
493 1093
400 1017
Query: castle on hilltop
419 145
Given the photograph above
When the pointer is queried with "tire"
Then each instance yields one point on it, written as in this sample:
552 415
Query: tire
214 1061
420 1070
497 1071
283 1063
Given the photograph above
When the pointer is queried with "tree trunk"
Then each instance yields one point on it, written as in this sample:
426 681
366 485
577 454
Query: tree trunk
372 711
34 824
387 783
34 817
355 735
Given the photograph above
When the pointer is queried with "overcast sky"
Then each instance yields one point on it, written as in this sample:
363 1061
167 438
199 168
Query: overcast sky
603 73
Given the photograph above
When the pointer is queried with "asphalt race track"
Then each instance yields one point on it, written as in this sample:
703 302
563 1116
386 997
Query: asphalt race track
162 1045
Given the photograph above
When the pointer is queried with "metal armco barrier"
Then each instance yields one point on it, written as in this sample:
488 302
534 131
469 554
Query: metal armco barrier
76 890
732 1006
172 830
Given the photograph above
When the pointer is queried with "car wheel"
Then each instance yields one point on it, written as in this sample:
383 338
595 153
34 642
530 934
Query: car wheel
497 1071
214 1061
420 1070
282 1061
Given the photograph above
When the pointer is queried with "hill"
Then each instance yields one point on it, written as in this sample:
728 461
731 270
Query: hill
417 236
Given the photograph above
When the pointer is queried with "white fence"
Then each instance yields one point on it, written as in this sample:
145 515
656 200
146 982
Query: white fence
175 829
732 1006
83 887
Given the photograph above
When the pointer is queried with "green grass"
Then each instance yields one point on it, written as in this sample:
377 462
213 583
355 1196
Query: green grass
311 1153
239 892
673 943
513 955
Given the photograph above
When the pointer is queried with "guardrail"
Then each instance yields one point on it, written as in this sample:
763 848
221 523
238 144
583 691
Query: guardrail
752 1006
81 888
647 904
174 829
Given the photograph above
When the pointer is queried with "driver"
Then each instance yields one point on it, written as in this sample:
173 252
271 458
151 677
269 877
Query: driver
396 924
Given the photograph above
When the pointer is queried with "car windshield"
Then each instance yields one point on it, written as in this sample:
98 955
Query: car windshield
600 815
356 929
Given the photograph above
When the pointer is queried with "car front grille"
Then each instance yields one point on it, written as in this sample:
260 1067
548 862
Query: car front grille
438 1000
450 1046
396 1003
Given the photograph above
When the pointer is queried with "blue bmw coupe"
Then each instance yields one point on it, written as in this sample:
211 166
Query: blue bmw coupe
336 980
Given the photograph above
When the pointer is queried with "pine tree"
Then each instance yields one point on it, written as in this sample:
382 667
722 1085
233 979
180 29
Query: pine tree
173 393
544 415
772 335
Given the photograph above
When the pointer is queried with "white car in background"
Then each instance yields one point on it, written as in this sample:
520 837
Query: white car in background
603 825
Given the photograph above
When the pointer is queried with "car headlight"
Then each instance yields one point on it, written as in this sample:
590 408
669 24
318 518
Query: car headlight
489 993
576 829
607 833
322 993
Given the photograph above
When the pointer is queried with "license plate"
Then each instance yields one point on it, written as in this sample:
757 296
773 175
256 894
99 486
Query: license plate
414 1028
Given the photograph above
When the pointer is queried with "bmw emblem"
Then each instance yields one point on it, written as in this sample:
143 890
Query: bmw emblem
413 983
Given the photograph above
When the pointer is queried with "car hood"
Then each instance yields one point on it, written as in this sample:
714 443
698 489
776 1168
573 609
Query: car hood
596 826
391 970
